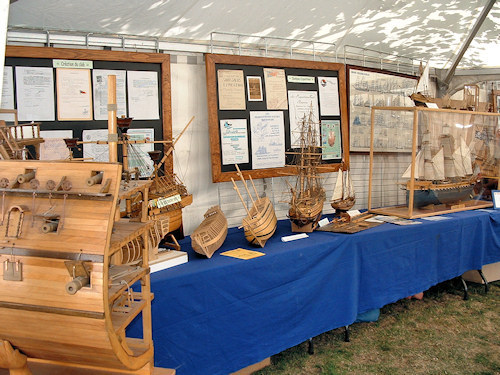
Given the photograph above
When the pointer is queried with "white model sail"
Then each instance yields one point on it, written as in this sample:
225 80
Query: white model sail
462 159
423 85
419 167
438 165
343 186
337 191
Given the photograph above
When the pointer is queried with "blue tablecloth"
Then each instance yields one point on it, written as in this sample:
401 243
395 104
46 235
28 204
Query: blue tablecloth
218 315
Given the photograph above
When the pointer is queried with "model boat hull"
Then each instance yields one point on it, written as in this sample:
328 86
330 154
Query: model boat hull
305 216
210 235
343 204
423 198
261 223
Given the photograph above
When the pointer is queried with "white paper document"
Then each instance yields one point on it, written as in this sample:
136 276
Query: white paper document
268 139
100 81
301 105
74 99
143 95
35 93
138 153
234 141
275 82
54 147
92 150
329 96
7 93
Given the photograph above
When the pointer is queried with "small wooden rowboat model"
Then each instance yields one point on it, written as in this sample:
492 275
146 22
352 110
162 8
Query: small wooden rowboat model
260 223
74 275
210 235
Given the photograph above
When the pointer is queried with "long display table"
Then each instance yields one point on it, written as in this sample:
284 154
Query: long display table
218 315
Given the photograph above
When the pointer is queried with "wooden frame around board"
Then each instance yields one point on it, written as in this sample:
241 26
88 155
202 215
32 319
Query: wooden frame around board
381 85
213 61
112 56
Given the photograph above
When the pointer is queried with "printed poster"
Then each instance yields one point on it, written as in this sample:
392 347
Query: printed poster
331 141
275 83
302 104
329 96
234 141
268 139
231 89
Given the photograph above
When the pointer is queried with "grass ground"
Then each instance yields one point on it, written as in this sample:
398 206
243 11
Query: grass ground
441 334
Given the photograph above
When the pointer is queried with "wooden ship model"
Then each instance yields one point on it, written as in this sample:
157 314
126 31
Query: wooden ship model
308 195
445 176
211 233
445 161
260 222
74 273
343 197
15 138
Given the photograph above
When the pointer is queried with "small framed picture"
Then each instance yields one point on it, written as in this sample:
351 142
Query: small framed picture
495 194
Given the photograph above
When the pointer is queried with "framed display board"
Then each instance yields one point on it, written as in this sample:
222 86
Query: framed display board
369 87
255 106
66 90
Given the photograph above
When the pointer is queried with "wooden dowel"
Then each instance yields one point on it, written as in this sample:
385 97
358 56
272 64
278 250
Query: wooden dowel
239 194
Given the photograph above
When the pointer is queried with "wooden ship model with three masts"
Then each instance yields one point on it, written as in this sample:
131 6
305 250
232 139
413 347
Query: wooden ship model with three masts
307 195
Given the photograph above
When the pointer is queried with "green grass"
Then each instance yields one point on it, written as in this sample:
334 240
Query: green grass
442 334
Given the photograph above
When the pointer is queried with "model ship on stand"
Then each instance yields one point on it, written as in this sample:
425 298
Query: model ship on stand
211 233
308 195
343 197
444 176
260 223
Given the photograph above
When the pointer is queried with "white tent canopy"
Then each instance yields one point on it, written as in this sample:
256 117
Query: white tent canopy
421 30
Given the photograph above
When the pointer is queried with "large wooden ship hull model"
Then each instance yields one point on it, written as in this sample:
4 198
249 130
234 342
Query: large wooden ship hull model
74 274
260 222
308 195
211 233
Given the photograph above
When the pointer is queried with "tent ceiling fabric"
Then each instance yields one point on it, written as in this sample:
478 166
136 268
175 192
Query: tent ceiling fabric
423 30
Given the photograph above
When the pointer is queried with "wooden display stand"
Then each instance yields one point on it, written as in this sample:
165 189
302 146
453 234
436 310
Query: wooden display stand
425 120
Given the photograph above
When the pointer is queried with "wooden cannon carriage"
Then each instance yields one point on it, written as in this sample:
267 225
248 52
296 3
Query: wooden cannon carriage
74 274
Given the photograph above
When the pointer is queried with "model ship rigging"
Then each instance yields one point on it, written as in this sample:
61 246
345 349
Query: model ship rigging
307 195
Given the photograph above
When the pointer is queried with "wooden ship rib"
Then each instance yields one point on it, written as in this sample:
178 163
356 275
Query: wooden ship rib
308 195
260 223
66 297
211 233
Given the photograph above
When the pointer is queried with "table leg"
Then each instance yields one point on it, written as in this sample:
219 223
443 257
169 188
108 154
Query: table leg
347 336
466 291
486 285
310 349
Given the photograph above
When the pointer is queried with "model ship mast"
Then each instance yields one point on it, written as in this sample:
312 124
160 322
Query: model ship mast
308 195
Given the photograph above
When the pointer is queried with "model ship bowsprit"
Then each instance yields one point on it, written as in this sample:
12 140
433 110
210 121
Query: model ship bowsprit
62 296
308 195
